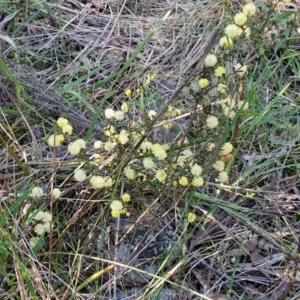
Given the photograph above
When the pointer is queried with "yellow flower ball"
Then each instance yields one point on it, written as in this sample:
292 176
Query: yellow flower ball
40 228
119 115
125 107
161 175
116 205
183 181
210 147
97 182
55 140
226 149
247 32
158 151
226 42
249 9
123 137
219 165
240 19
74 148
197 181
146 146
203 83
56 193
108 182
115 213
212 122
233 31
129 173
109 113
128 92
79 175
62 122
223 177
148 163
98 145
196 170
191 217
210 60
220 71
67 129
37 192
152 114
126 197
241 70
221 88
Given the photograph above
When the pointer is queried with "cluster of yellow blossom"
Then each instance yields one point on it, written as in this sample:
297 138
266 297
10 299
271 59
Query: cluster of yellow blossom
55 140
225 155
43 224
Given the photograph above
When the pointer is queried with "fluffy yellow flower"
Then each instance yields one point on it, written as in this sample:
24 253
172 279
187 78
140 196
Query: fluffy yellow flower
97 182
116 205
74 148
129 173
212 122
220 71
240 19
126 197
79 175
161 175
62 122
197 181
158 151
41 228
115 213
128 92
240 70
46 217
152 114
168 125
184 155
247 32
221 88
226 42
109 113
242 104
233 31
249 9
55 140
148 163
98 145
81 143
119 115
108 182
226 149
191 217
125 107
223 177
210 147
146 146
298 30
56 193
123 137
196 170
37 192
108 146
183 181
210 60
67 129
109 130
203 83
229 112
219 165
